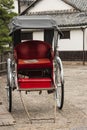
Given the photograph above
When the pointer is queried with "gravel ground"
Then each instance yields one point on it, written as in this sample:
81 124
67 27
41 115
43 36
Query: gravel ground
73 116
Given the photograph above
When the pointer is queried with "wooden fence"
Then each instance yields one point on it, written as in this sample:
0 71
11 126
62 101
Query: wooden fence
3 63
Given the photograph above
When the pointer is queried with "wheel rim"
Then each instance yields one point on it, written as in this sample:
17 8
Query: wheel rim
59 86
58 96
9 72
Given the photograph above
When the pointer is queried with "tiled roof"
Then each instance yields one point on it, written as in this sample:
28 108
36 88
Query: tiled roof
79 4
72 19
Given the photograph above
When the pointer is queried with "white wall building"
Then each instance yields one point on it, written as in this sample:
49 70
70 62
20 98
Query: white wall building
71 18
74 43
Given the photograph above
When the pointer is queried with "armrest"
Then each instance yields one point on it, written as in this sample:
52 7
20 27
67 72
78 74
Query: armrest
51 54
15 55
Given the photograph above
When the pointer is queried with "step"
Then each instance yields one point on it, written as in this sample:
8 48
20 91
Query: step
34 83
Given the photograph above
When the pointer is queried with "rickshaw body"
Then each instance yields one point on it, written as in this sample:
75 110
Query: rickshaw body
35 64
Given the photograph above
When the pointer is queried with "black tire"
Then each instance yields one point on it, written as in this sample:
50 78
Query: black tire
9 85
59 83
60 101
9 98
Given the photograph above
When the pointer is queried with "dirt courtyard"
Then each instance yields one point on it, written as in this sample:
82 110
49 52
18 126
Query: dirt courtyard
73 116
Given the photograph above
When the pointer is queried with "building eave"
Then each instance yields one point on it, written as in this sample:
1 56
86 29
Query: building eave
53 12
69 27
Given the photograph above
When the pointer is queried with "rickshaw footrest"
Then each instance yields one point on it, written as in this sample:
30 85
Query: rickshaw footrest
34 83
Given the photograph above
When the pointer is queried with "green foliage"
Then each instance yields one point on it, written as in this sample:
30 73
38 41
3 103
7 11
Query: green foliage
6 15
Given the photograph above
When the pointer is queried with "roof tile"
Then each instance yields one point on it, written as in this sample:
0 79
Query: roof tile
80 4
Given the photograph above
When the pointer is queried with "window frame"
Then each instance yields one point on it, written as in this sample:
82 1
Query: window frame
66 34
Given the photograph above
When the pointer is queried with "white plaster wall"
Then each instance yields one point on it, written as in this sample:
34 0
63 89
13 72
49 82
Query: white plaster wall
50 5
16 6
38 35
75 43
85 46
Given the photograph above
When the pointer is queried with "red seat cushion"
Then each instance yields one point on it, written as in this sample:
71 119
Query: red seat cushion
34 63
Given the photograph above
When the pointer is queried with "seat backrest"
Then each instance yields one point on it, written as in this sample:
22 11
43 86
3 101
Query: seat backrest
32 50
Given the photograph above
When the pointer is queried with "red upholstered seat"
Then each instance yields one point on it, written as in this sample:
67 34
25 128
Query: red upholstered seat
33 54
34 63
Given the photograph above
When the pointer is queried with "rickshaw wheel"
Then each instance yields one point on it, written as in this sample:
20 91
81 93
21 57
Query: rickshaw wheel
9 84
59 83
9 98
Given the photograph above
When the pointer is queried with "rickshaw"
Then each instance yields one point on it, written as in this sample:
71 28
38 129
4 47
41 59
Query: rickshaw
35 64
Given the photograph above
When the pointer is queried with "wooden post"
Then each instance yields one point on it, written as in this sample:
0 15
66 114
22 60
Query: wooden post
83 47
19 9
84 42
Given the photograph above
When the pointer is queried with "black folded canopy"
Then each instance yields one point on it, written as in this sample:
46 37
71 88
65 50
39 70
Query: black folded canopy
32 22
